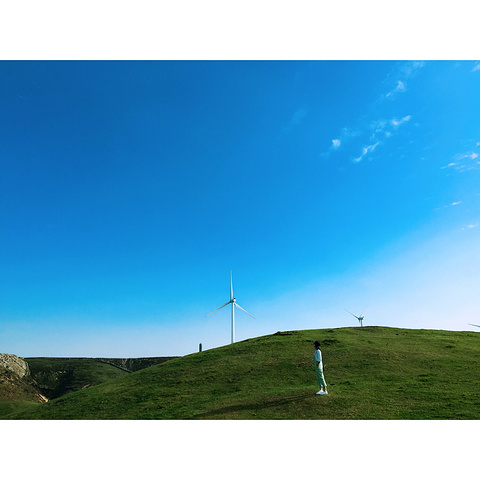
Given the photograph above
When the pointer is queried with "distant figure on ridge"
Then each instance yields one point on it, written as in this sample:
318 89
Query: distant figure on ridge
317 359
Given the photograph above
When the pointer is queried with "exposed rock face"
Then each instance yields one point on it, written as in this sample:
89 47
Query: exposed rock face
14 364
15 381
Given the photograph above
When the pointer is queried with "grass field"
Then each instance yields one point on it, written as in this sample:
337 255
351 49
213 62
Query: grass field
57 376
372 373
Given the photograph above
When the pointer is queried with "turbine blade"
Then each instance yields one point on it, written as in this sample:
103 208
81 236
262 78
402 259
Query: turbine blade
231 286
237 305
363 311
474 325
351 313
224 305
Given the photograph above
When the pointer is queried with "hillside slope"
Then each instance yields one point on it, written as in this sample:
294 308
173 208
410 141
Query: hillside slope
372 373
57 376
15 388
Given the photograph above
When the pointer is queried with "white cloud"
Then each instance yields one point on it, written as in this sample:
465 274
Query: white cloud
396 122
370 148
399 88
377 127
463 162
345 135
380 130
471 155
465 158
401 75
476 68
452 164
366 150
453 204
469 227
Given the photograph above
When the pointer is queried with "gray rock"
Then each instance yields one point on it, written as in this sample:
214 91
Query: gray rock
14 364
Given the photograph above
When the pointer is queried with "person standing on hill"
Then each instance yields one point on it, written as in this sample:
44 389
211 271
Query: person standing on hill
317 359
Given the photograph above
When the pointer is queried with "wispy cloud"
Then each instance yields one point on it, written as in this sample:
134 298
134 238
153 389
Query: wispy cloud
476 68
381 130
464 161
399 88
471 155
375 132
453 204
396 122
296 119
470 226
450 165
366 150
399 77
346 134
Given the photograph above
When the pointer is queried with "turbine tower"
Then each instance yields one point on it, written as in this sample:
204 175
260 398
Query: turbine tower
234 303
360 318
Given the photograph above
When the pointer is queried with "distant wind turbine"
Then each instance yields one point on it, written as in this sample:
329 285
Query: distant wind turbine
360 318
234 303
474 325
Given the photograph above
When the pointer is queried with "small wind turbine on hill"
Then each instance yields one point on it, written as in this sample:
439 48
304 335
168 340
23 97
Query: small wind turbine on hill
359 318
234 303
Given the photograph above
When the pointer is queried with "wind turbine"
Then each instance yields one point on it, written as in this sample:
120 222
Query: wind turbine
234 303
360 318
474 325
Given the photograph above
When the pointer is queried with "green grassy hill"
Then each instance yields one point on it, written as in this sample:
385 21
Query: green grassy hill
372 373
58 376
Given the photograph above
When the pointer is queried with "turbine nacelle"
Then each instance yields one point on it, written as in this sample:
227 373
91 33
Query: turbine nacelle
359 318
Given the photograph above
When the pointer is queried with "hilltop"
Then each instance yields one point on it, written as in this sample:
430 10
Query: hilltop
372 373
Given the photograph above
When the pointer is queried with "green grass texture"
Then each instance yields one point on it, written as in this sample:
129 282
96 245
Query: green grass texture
371 372
58 376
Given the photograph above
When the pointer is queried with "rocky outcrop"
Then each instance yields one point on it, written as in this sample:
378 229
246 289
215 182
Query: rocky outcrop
16 382
15 364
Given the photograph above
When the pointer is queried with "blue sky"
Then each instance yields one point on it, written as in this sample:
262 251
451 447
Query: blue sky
129 190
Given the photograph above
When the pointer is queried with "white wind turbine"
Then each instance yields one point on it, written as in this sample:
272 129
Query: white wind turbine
234 303
359 318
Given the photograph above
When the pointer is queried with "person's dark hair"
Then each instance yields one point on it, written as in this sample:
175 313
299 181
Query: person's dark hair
316 343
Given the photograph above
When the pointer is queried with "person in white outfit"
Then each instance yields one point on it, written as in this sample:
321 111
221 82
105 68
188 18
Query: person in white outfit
317 359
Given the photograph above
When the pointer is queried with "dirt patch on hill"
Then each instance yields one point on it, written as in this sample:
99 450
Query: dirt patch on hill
14 388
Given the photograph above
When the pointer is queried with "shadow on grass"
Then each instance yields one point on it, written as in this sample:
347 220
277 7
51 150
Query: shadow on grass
256 408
